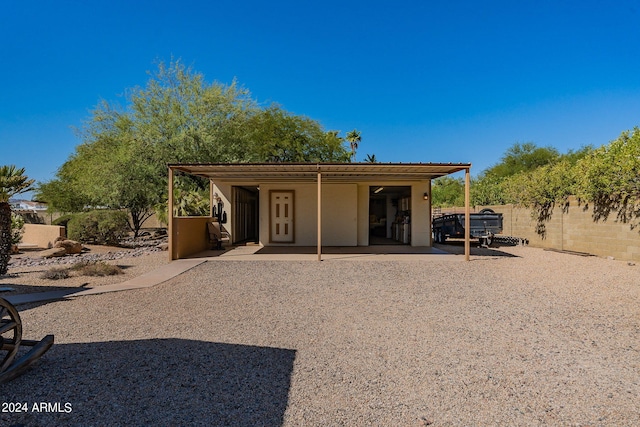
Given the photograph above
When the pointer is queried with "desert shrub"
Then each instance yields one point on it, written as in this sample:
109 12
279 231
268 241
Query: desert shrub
100 227
56 273
99 268
63 220
17 228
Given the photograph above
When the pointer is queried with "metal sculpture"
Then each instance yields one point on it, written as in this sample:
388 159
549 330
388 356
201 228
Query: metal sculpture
11 342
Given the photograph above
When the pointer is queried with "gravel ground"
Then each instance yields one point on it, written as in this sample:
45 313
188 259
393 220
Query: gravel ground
26 269
530 338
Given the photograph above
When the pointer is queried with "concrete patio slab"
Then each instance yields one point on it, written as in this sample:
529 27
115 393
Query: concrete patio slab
309 253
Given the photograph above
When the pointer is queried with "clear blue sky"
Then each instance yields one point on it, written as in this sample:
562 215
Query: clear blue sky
424 81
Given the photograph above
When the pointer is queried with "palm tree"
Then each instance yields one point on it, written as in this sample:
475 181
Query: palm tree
371 158
354 139
12 182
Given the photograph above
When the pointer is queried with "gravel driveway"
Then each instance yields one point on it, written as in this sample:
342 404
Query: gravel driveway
537 338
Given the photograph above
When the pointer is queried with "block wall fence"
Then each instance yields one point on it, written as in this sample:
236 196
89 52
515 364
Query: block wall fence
572 230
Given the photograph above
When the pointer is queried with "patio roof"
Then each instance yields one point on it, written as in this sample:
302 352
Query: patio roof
331 172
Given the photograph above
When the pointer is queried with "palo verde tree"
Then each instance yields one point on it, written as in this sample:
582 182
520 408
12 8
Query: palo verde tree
176 118
278 136
13 181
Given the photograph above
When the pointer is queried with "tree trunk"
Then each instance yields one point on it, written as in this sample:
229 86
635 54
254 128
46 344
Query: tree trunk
5 236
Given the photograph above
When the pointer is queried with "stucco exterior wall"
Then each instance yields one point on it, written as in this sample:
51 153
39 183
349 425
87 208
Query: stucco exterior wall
420 215
44 236
339 214
363 214
345 212
190 236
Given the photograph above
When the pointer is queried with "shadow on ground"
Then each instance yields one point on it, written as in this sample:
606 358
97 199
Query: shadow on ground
18 292
457 247
369 250
154 382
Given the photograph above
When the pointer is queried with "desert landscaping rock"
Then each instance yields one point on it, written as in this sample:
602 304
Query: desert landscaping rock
516 337
51 253
71 246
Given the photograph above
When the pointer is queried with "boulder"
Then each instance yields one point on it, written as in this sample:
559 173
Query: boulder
71 246
163 246
53 252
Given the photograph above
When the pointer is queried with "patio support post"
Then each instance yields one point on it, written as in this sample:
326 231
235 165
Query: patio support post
467 214
211 201
319 216
170 216
430 213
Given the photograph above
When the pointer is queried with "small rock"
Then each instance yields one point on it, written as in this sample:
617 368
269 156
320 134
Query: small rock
160 233
631 264
163 246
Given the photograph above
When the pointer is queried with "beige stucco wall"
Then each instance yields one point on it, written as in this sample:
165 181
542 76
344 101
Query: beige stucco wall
43 236
339 213
420 215
190 236
363 215
345 211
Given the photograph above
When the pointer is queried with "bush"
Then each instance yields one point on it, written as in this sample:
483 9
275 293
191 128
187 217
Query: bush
99 268
63 220
17 228
99 227
83 268
56 274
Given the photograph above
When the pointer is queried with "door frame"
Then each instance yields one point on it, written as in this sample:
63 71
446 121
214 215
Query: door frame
293 219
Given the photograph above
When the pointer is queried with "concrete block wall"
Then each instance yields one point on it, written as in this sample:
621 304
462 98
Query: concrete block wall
572 230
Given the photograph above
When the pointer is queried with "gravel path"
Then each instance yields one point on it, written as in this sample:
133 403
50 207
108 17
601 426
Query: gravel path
540 338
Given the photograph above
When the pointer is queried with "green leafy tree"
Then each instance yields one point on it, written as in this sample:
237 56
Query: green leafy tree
609 178
13 181
278 136
542 190
447 191
176 118
490 187
521 158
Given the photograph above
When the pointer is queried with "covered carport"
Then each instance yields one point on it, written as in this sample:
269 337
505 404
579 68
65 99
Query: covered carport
318 174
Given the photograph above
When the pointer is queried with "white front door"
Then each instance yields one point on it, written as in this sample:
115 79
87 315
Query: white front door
281 216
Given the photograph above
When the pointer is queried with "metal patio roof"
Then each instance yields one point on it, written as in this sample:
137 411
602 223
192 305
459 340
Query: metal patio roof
331 172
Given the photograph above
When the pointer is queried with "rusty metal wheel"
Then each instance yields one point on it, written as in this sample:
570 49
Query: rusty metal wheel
10 333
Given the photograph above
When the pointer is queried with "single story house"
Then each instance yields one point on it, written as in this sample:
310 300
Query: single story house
313 204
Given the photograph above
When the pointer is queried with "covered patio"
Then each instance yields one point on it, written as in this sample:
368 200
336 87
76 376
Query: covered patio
333 187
